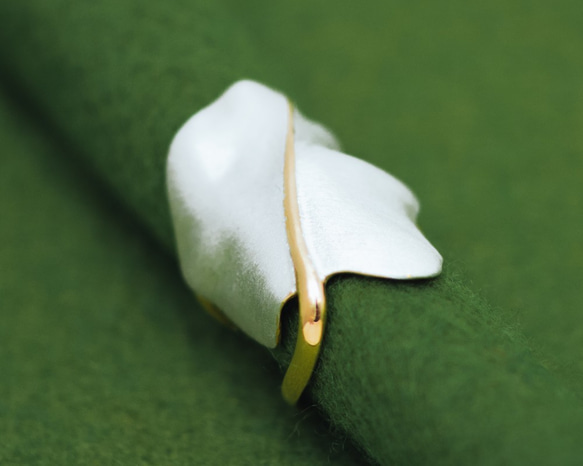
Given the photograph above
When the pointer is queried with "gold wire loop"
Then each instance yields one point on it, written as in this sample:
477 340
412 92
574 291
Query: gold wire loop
310 288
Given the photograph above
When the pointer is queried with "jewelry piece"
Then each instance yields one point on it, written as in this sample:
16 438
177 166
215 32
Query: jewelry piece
310 287
265 206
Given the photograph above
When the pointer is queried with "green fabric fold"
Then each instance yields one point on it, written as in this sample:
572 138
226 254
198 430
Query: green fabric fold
102 359
416 373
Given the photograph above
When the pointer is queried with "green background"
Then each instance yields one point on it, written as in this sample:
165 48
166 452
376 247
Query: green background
105 356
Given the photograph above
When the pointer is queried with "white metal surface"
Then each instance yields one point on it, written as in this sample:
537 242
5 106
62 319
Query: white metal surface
225 182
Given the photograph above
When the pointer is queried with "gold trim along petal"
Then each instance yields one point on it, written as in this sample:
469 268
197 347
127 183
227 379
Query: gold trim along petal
310 287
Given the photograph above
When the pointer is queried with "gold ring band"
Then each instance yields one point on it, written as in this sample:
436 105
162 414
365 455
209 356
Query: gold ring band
310 288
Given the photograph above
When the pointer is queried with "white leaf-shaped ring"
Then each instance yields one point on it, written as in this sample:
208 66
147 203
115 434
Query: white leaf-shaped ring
265 206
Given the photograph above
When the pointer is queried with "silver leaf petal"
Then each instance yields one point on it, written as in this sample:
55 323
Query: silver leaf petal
225 182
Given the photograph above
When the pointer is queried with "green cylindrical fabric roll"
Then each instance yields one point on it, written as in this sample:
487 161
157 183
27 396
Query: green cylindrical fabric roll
416 373
102 360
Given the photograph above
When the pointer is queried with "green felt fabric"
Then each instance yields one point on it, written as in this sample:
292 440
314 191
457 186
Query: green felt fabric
477 108
105 358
